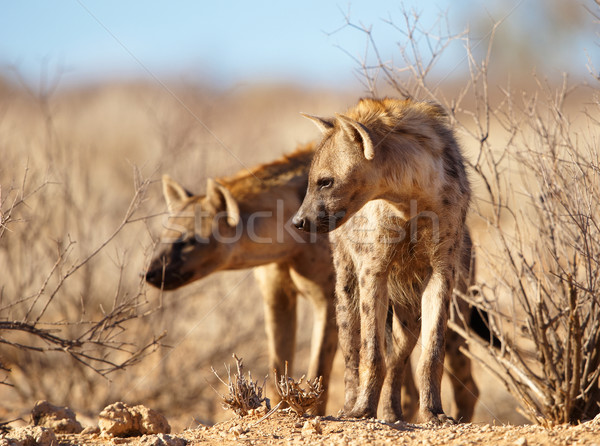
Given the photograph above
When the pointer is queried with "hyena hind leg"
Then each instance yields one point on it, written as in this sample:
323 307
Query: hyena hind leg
434 316
280 298
317 284
459 369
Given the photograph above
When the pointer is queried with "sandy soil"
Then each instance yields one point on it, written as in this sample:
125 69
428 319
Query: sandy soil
286 428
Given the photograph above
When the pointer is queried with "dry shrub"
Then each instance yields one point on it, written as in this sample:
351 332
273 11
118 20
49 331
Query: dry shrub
244 393
291 392
56 310
548 233
535 167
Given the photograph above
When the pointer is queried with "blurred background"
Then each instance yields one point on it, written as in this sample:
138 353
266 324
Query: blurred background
233 44
98 97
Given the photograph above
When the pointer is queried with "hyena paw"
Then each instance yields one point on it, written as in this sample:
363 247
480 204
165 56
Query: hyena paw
361 413
391 416
436 419
343 413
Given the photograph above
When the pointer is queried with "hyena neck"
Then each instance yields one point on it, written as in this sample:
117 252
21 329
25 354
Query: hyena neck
400 181
248 254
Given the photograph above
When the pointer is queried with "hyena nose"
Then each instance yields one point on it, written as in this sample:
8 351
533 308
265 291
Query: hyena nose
152 276
299 222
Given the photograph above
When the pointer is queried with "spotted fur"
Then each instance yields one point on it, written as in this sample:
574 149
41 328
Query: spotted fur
388 181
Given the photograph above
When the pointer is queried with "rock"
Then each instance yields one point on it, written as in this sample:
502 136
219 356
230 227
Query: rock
29 436
121 420
61 420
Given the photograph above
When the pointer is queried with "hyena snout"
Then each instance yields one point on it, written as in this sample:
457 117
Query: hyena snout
167 274
321 222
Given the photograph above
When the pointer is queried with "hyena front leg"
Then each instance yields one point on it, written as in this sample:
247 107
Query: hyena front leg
434 315
280 299
373 297
405 332
346 291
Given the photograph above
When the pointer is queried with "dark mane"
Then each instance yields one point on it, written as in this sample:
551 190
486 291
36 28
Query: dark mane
292 165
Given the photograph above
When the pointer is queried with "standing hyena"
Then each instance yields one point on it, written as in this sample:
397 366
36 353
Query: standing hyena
392 174
244 221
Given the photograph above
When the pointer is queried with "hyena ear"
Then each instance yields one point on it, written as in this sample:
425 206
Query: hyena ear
324 124
219 194
173 192
352 128
437 110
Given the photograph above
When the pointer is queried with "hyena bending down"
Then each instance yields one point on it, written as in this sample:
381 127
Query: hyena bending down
392 174
245 221
288 268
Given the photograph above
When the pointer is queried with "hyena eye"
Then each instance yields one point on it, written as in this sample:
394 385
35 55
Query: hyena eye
324 183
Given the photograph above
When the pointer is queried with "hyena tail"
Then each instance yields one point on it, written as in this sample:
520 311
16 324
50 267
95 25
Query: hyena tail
479 322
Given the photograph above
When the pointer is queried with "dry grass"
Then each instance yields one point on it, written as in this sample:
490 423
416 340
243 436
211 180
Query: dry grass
72 162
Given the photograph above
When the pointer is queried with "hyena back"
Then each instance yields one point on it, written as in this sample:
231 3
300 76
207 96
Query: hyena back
245 221
390 175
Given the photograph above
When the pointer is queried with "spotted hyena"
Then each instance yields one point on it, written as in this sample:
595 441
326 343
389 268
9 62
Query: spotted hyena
390 176
244 221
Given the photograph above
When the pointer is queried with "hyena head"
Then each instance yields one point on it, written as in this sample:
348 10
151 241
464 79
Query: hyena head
192 243
338 181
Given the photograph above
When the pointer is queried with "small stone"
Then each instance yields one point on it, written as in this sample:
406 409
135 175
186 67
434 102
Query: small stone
91 430
161 440
312 426
521 442
237 431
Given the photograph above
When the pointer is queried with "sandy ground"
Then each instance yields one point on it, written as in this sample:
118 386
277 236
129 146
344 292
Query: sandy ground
286 428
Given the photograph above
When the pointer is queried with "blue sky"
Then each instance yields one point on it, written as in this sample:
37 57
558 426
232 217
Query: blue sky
227 42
